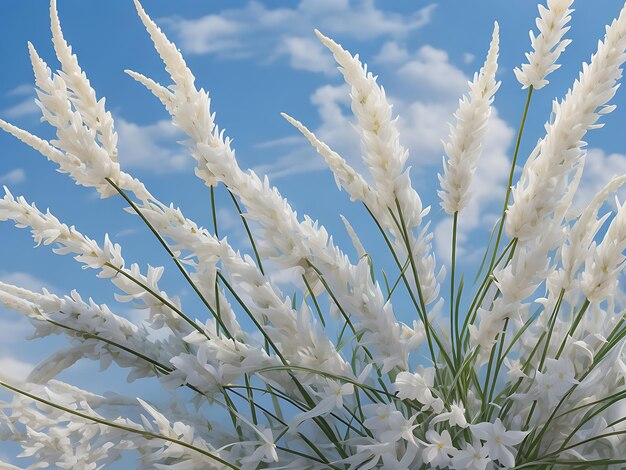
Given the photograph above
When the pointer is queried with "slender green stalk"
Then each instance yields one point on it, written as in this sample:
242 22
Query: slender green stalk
317 305
431 334
518 141
482 292
159 297
172 256
214 213
573 327
323 426
391 290
454 326
499 360
248 231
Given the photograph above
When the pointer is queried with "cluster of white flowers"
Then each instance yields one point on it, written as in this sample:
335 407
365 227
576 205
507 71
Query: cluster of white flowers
532 374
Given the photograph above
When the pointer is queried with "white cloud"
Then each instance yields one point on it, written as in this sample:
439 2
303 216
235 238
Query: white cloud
256 30
307 54
14 370
209 34
151 147
291 163
600 168
27 107
431 68
25 280
22 90
279 142
14 329
468 58
127 232
392 53
15 176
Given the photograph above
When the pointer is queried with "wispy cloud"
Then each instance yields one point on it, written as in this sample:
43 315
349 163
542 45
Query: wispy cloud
600 168
15 176
244 32
25 280
306 54
151 147
22 90
25 107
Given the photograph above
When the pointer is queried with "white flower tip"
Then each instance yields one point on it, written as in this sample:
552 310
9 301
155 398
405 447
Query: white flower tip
31 50
298 125
328 42
35 59
55 24
145 19
287 117
136 76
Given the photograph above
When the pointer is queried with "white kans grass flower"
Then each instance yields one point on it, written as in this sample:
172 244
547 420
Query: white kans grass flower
465 141
285 240
545 177
604 262
531 371
385 158
548 45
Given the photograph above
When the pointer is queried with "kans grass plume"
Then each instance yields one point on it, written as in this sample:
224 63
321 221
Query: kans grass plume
528 372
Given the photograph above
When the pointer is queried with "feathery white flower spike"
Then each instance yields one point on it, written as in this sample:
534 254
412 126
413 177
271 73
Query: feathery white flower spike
545 179
383 154
385 157
548 45
108 259
604 262
465 141
165 96
358 246
82 95
345 176
73 136
191 106
579 237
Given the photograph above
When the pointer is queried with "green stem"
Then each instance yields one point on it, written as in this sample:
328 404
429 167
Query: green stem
172 256
454 326
518 141
159 297
248 231
214 213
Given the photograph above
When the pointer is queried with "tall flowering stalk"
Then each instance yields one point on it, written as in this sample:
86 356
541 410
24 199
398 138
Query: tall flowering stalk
530 374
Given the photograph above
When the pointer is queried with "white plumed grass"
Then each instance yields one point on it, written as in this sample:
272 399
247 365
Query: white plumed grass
527 372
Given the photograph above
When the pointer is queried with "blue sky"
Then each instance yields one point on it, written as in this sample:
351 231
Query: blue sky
258 59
